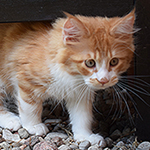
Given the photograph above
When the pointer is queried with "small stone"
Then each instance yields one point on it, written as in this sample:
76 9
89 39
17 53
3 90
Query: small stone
51 135
126 131
106 148
74 146
45 145
5 145
52 121
31 140
9 137
27 148
131 139
94 147
57 140
109 142
22 147
120 143
144 146
64 147
115 135
120 146
84 145
16 144
23 133
41 139
16 148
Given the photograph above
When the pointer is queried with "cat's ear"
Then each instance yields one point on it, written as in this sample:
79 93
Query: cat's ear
125 24
73 30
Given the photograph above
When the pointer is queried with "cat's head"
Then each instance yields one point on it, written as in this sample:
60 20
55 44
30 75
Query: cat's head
98 49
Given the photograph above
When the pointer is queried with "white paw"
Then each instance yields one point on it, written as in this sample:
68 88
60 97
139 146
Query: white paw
38 129
93 138
97 139
10 121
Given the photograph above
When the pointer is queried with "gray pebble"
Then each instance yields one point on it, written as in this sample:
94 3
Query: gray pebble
144 146
84 145
31 140
52 121
64 147
131 139
74 146
126 131
16 148
23 133
5 145
120 143
120 146
51 135
115 135
94 147
16 144
27 148
109 141
106 148
9 137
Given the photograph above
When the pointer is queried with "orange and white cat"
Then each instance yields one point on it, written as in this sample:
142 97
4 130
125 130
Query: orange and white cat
70 59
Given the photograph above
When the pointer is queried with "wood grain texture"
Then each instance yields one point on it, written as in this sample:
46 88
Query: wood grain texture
36 10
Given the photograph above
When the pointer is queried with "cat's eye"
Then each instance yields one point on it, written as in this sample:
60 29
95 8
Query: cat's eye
90 63
114 62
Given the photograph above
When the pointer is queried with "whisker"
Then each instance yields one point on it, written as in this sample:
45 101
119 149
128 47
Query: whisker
141 82
136 88
128 88
140 90
115 113
133 102
127 106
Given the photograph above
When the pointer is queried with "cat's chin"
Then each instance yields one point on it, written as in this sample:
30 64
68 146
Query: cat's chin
99 87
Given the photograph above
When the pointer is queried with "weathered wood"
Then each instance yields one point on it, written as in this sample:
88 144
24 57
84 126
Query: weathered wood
36 10
142 67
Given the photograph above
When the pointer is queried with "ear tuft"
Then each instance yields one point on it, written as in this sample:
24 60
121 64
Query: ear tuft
125 24
73 30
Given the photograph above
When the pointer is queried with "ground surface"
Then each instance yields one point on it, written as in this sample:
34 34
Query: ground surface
112 119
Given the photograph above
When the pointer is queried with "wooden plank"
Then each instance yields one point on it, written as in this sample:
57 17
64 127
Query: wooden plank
36 10
143 67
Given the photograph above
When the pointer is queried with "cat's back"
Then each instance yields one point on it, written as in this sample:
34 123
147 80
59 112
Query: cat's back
14 35
16 31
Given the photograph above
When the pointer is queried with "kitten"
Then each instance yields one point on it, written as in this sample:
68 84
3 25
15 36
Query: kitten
70 60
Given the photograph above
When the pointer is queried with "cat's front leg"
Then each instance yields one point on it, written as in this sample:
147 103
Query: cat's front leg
30 114
81 119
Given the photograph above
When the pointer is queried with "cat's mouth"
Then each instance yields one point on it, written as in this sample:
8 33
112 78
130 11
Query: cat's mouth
103 84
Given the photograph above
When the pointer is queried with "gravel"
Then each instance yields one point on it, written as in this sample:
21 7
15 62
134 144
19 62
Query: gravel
110 120
84 145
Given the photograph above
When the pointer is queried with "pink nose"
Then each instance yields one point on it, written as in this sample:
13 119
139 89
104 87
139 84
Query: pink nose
103 81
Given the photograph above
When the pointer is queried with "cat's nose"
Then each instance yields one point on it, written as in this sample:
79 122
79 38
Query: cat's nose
104 80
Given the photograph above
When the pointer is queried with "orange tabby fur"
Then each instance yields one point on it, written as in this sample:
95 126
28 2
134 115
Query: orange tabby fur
27 49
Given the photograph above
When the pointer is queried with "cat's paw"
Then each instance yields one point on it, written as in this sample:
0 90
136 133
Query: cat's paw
97 139
10 121
93 138
38 129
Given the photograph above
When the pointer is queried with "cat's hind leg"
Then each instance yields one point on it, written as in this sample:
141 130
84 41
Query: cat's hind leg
8 119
